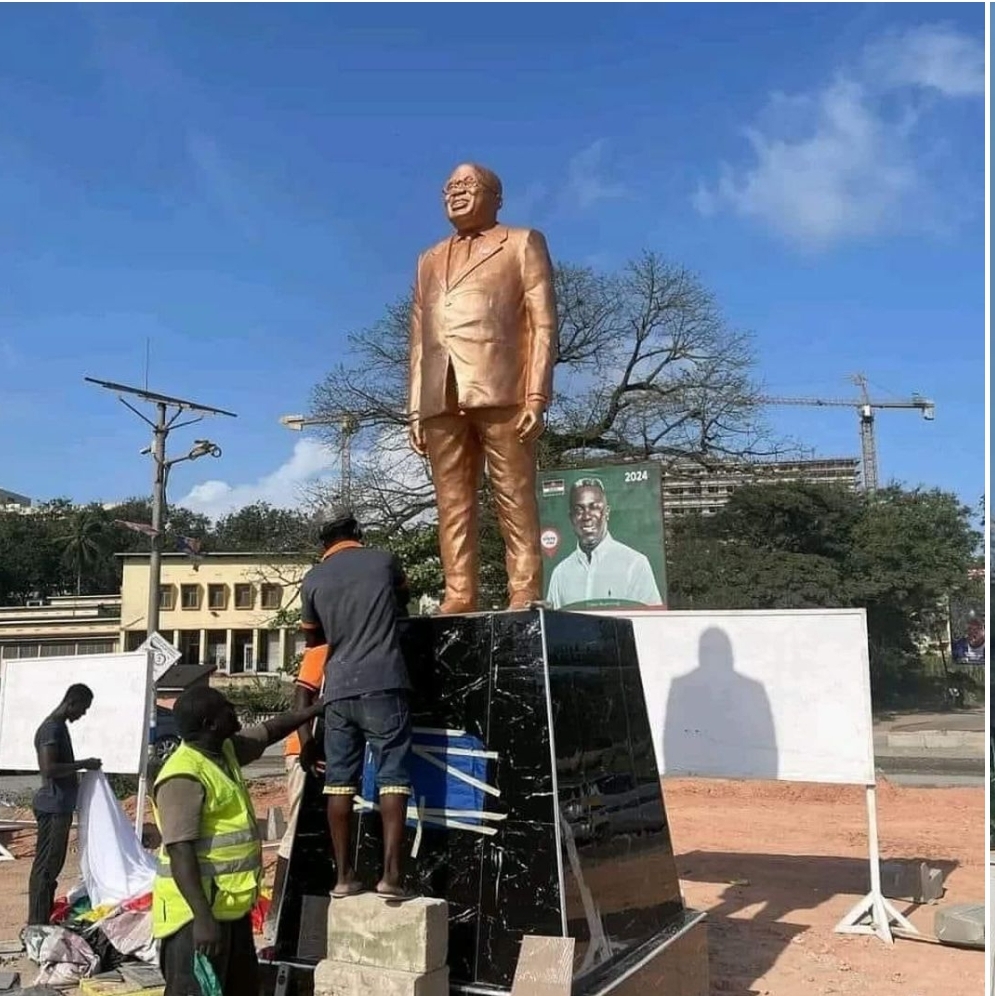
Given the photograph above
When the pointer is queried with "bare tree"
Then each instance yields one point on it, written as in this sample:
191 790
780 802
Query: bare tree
647 368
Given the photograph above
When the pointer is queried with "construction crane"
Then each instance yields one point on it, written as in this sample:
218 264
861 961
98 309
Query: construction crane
865 411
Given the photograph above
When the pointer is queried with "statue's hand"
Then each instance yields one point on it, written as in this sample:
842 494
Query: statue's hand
416 437
531 422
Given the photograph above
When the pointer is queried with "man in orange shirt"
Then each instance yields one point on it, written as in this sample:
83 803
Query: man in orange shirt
307 688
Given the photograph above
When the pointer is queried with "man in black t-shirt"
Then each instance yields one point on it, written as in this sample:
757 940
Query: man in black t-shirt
55 802
352 601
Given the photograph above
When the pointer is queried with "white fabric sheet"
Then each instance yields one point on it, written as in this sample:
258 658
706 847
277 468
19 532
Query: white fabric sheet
113 863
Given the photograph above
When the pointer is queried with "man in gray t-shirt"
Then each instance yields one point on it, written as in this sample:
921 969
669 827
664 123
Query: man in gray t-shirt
352 601
55 801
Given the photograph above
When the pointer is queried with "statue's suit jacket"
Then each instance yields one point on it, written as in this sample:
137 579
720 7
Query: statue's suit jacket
491 319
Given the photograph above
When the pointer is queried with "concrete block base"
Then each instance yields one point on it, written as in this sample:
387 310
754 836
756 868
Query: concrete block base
914 881
407 937
962 924
337 978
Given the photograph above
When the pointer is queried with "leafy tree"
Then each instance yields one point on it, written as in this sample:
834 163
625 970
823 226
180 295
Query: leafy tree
899 554
647 367
262 527
29 558
83 541
417 548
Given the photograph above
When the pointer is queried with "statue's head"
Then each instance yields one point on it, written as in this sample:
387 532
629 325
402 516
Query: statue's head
473 197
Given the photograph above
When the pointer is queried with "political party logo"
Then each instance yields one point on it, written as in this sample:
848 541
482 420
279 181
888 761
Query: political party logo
550 542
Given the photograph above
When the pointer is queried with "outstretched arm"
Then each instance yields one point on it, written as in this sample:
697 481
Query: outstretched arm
285 723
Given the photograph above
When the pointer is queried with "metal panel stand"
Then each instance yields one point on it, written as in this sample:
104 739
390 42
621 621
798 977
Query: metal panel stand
874 914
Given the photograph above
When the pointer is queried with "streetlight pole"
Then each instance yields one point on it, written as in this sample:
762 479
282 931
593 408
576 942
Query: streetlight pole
167 412
201 447
159 432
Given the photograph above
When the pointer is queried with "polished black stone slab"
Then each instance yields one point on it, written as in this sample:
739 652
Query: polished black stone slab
539 799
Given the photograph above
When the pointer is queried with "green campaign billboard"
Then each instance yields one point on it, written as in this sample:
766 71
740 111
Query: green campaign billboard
602 536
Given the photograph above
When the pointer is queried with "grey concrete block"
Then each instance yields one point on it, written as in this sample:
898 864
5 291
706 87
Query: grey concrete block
336 978
272 825
932 884
961 924
914 881
408 937
8 980
276 825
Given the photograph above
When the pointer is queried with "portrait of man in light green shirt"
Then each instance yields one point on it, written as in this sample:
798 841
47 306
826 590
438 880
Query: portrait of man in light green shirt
601 568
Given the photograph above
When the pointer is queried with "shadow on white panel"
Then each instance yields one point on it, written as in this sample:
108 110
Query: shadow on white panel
718 721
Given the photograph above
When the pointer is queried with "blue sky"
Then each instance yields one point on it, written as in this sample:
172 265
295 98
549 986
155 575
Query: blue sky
242 185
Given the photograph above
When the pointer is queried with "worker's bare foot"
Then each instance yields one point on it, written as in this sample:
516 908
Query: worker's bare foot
348 887
394 892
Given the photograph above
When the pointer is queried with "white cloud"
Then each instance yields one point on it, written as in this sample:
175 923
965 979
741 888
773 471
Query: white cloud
932 56
587 183
310 461
845 161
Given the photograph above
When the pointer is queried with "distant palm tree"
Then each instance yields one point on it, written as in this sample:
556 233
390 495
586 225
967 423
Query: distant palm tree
83 541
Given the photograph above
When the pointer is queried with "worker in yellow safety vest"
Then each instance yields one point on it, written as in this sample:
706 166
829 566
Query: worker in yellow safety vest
210 862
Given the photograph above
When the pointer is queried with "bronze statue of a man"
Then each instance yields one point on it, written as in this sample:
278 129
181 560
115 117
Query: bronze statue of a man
483 345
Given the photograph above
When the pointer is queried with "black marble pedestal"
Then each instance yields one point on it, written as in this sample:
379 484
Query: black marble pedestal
537 807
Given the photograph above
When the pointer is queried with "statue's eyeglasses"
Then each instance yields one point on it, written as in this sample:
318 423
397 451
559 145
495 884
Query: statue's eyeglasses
468 186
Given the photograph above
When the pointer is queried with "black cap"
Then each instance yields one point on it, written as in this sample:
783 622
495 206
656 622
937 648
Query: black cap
339 515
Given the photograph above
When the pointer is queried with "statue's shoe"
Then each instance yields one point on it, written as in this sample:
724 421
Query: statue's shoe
454 606
523 600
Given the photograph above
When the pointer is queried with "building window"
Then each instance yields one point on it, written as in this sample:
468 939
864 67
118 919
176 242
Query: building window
217 596
190 596
271 596
243 596
19 651
217 648
167 597
188 644
58 650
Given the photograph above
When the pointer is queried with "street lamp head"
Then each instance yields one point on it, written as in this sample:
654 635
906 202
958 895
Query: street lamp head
204 447
295 422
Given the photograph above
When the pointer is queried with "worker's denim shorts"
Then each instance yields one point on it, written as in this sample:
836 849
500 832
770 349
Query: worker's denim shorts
380 719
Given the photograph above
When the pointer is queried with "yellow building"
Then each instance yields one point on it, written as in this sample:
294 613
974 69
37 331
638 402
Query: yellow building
221 609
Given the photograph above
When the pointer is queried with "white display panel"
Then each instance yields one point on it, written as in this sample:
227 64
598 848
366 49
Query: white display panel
115 728
758 694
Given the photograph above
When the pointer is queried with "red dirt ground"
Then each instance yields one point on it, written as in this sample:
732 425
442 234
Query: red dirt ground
776 865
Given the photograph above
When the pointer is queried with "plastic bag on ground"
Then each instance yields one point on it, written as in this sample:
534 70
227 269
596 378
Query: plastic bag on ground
63 955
